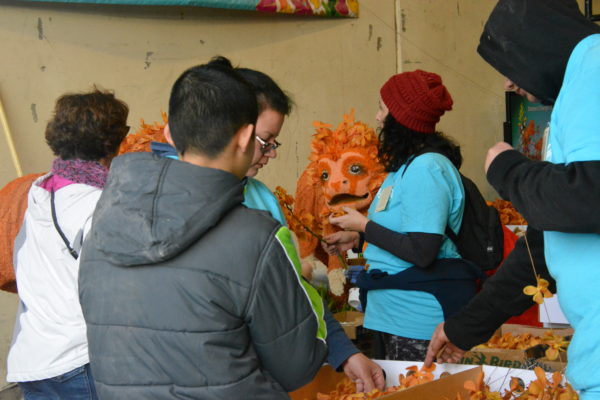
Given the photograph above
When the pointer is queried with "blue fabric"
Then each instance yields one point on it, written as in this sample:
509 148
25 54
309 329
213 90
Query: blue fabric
425 199
574 259
589 395
353 271
77 384
164 150
453 282
338 344
258 196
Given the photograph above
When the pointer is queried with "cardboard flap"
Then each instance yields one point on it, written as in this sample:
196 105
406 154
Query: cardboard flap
325 381
443 388
439 389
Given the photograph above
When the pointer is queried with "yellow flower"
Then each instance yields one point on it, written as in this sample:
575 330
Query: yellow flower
538 292
353 7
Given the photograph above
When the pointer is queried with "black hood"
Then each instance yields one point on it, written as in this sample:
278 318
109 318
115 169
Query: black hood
153 208
530 42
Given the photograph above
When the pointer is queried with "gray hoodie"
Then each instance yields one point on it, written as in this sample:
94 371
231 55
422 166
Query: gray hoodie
187 294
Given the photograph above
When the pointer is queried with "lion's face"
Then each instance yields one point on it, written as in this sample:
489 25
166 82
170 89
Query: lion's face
348 181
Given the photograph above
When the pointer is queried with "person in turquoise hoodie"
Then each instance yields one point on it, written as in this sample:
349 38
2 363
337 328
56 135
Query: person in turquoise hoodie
274 105
550 53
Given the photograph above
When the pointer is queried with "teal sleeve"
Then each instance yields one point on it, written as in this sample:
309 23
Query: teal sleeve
258 196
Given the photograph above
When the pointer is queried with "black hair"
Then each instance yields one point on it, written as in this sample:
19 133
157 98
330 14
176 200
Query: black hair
209 103
397 144
87 126
220 61
268 93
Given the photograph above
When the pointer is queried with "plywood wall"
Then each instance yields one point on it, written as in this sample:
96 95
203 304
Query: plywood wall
328 65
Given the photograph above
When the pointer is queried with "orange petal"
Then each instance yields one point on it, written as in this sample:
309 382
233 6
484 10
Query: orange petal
470 386
542 283
534 388
538 298
551 354
547 294
541 375
428 369
515 384
530 290
556 378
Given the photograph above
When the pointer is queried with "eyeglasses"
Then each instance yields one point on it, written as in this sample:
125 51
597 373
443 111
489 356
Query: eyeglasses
265 146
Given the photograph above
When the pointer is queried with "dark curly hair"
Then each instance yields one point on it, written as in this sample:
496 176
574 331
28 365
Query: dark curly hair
398 143
87 126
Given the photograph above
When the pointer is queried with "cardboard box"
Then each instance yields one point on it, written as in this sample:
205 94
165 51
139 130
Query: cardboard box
445 388
552 366
523 359
325 381
534 330
350 320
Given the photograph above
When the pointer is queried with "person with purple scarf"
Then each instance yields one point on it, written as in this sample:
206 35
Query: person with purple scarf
48 356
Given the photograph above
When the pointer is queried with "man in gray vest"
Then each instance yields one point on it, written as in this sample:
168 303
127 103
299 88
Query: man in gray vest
186 293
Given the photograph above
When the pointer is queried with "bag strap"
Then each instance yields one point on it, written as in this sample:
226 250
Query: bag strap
408 162
451 235
60 232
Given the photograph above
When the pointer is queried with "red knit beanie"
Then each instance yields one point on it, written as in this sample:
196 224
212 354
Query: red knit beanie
416 99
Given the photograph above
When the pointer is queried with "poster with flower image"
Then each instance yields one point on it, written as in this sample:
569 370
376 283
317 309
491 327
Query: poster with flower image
320 8
526 124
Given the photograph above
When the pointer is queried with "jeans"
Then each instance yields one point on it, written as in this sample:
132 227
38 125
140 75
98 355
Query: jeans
77 384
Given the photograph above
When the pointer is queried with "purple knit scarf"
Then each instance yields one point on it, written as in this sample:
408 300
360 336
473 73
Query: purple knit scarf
79 171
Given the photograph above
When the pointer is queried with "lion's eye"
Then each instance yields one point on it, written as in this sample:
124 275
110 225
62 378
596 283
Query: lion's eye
324 175
356 169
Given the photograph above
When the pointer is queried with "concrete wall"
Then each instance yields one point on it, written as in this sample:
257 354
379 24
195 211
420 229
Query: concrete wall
442 37
8 307
329 65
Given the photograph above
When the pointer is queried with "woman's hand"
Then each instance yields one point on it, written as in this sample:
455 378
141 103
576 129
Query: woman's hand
340 242
351 221
441 349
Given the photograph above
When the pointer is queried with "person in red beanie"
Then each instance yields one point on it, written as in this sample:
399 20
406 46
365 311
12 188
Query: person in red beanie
416 277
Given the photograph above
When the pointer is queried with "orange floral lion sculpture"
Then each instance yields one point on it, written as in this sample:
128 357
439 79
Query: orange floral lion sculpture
344 171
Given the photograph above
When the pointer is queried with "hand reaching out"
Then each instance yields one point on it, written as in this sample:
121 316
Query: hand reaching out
351 221
366 374
494 151
339 242
441 349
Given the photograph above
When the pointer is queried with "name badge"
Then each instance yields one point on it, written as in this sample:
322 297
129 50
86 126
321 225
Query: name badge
384 197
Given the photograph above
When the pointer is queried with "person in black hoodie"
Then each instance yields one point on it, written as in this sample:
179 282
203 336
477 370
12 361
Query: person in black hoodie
548 52
186 293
